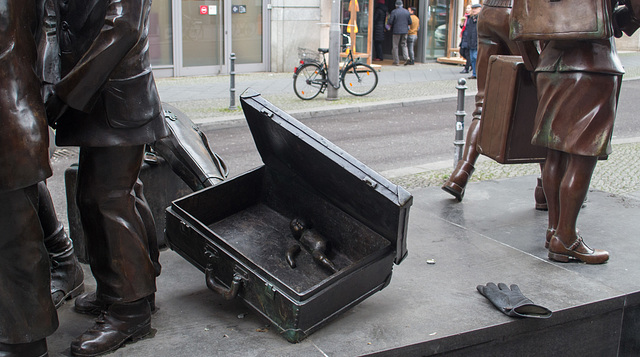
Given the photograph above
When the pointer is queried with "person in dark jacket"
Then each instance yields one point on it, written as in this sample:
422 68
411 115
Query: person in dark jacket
27 313
464 48
379 17
470 37
399 20
107 103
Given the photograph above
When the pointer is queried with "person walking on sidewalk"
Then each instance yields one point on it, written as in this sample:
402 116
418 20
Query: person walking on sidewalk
399 20
464 47
471 37
412 35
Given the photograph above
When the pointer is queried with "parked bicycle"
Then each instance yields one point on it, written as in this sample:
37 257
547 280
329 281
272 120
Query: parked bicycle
311 79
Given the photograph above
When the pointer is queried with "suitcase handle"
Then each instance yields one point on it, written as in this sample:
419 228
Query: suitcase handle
227 294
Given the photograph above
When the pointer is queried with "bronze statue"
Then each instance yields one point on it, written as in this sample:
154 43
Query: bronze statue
24 158
578 82
316 244
106 102
493 39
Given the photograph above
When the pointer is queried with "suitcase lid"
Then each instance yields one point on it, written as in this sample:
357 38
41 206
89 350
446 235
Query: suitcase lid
346 182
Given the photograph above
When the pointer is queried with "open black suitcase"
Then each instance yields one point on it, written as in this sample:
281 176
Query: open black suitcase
237 232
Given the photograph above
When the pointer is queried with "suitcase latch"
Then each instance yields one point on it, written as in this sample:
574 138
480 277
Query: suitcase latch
210 253
270 290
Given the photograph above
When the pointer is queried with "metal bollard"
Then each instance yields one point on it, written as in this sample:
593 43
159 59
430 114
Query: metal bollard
460 113
232 84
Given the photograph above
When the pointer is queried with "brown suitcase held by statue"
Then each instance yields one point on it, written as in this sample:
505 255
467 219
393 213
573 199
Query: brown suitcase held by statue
508 113
238 232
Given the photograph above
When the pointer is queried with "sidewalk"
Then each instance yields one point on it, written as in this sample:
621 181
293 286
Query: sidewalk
206 99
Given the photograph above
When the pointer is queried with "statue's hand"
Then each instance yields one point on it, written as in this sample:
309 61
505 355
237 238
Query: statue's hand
55 107
624 21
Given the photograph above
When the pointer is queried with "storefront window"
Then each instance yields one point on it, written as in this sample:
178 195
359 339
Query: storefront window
355 24
437 31
160 34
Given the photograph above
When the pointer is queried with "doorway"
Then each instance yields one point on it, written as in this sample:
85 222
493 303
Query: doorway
210 30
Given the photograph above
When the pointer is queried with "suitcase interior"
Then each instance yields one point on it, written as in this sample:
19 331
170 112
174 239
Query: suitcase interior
254 224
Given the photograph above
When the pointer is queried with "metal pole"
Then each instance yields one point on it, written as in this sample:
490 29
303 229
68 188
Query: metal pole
334 49
460 113
232 84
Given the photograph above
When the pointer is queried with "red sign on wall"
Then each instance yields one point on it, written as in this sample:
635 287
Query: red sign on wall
204 9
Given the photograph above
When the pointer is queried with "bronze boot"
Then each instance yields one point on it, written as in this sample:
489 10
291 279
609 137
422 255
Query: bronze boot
541 199
31 349
67 277
121 323
88 303
457 182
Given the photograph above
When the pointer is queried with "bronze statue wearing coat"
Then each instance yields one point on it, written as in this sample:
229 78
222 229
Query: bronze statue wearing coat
27 313
107 103
493 39
578 83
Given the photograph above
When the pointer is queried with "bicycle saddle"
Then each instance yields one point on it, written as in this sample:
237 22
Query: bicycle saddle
323 50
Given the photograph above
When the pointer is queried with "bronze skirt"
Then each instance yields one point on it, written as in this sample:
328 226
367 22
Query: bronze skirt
576 111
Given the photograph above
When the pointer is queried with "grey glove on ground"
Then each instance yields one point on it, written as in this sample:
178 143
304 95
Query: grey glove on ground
511 302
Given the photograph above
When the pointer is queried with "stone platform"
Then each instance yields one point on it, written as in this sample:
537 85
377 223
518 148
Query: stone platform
494 235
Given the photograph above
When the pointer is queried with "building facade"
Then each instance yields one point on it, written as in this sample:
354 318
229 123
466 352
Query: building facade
197 37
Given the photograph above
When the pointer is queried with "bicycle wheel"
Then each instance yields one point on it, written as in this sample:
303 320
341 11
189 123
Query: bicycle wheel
360 79
308 81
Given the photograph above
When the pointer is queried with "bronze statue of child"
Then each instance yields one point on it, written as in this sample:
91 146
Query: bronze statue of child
315 243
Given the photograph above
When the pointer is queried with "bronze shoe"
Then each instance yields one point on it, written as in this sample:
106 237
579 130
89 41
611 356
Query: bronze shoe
578 250
121 323
541 199
31 349
550 233
67 277
457 182
88 303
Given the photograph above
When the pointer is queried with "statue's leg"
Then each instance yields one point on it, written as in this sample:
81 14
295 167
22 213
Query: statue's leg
27 314
117 240
67 277
573 190
142 206
538 195
457 182
118 246
566 244
551 177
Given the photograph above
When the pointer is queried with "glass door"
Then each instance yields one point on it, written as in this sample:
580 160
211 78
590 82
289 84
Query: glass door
247 35
210 30
202 35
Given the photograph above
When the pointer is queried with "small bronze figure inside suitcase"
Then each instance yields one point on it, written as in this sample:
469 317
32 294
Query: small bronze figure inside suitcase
508 113
240 233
